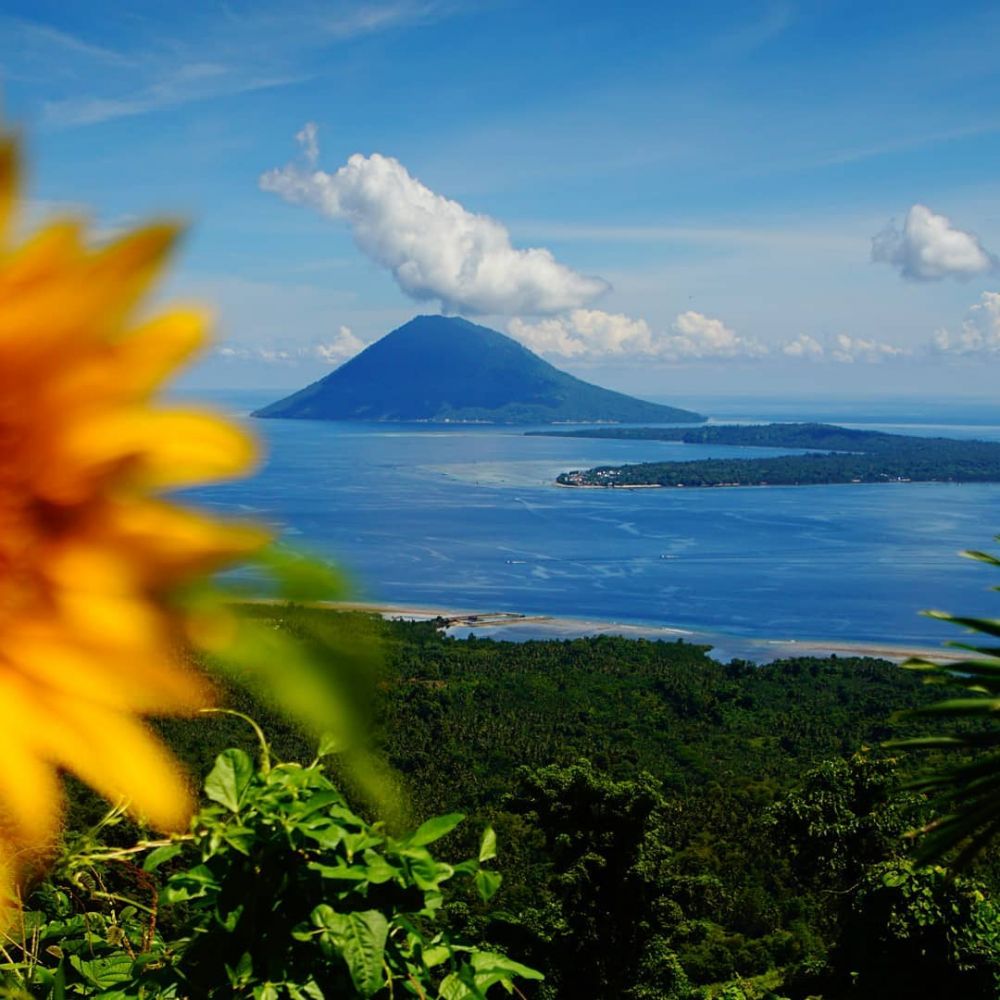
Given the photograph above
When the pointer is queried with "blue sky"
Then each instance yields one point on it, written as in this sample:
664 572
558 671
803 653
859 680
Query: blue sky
704 181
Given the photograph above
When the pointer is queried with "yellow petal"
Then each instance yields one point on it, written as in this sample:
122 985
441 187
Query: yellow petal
168 542
29 791
123 761
54 253
57 301
127 680
126 371
144 448
131 263
8 183
183 449
148 355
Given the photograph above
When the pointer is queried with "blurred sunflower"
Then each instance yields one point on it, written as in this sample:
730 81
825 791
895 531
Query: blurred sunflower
90 556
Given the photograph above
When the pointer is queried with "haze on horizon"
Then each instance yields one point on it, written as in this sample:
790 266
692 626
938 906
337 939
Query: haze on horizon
768 198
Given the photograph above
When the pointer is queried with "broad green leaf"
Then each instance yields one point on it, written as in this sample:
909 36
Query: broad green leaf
240 839
156 858
360 939
434 829
316 802
104 972
429 874
488 845
228 781
326 836
487 883
379 870
349 873
305 991
192 884
492 961
435 955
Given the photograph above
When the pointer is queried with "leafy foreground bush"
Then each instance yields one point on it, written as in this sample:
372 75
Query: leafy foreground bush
280 890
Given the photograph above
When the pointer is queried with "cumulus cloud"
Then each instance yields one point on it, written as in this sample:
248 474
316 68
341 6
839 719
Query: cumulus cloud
850 350
592 333
434 247
333 352
698 336
803 346
980 332
929 248
586 333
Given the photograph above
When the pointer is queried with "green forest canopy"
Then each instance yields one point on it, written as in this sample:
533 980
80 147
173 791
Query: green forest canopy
836 455
670 826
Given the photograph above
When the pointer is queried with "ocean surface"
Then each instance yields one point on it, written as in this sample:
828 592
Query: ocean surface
466 517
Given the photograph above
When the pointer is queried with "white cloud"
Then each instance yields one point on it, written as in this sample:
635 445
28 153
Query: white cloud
308 138
803 346
980 333
585 333
696 335
342 347
333 352
592 334
434 247
929 248
849 350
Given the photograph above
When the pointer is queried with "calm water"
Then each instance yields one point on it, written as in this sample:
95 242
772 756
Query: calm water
467 518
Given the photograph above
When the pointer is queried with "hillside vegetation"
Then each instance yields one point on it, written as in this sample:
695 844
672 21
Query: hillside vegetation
670 826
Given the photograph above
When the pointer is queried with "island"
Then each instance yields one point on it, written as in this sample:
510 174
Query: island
443 369
831 455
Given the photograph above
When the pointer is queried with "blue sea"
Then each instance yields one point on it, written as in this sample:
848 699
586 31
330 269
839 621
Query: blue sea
467 517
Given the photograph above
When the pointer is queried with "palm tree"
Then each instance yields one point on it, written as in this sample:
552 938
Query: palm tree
965 797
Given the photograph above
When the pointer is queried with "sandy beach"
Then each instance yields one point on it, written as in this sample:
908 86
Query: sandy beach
510 625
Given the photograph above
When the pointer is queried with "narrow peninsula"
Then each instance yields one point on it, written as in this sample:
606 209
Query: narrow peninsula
830 455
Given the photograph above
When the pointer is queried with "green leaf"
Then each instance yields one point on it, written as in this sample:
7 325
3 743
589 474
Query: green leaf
360 939
494 964
193 884
488 845
435 955
240 839
156 858
104 972
305 991
487 883
434 829
327 837
428 873
379 870
228 781
347 873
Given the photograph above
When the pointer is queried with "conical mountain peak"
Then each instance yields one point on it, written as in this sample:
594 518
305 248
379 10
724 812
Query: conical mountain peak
443 369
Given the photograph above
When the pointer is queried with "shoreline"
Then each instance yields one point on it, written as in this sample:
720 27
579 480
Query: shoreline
523 626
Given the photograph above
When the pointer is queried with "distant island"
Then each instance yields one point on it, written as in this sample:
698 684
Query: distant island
441 369
837 455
